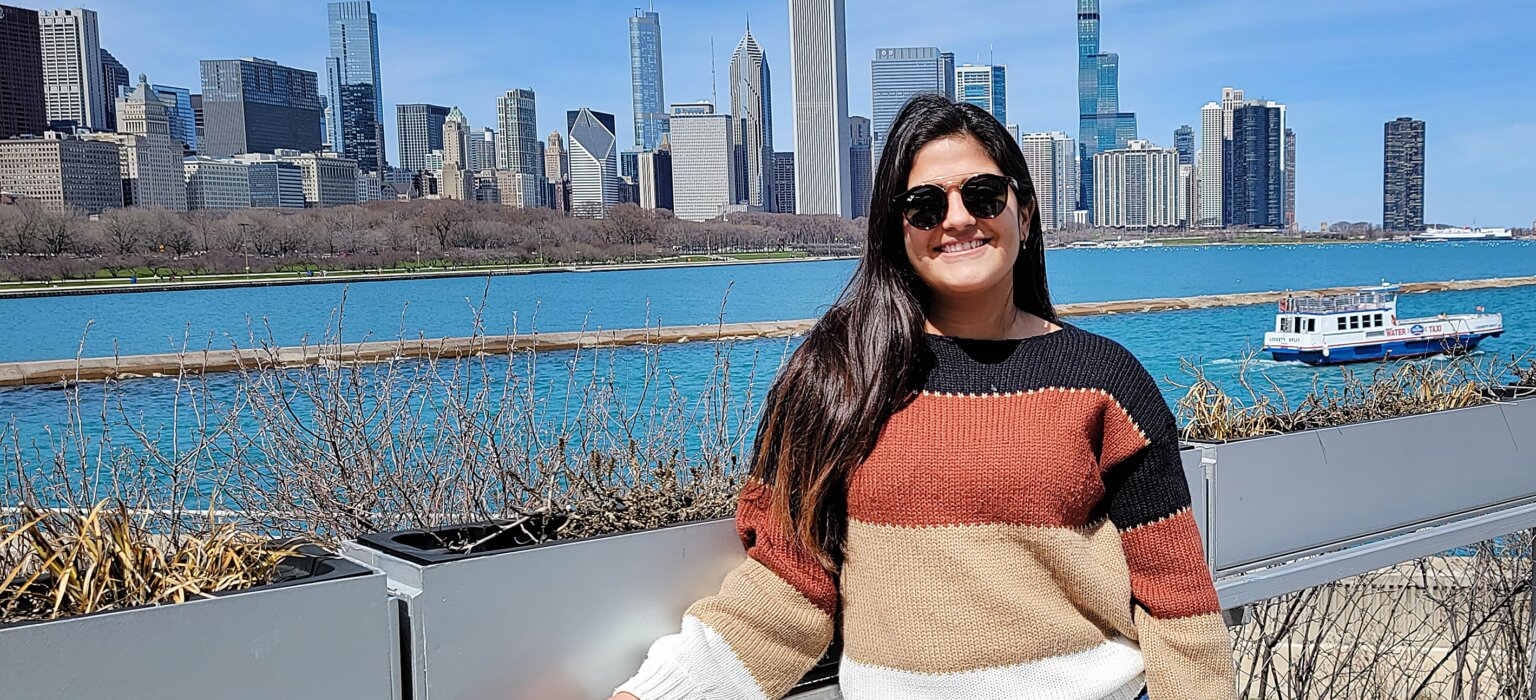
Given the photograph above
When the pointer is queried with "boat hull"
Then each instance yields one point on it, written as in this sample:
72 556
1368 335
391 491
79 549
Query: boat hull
1396 349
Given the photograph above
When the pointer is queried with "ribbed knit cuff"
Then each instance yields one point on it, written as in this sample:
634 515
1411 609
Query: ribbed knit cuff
659 679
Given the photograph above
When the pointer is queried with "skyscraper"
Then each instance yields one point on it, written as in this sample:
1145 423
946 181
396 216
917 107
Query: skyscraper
1184 143
456 180
253 105
819 64
860 165
65 175
784 182
703 174
518 144
655 175
22 107
1101 124
149 159
74 88
419 128
178 109
1253 166
984 86
1136 187
897 75
1402 198
482 149
752 115
114 84
356 105
594 159
645 79
557 165
1212 139
1052 160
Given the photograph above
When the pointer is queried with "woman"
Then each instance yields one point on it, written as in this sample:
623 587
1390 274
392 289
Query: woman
984 501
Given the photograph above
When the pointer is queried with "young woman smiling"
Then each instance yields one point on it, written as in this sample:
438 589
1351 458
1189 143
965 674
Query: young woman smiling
982 500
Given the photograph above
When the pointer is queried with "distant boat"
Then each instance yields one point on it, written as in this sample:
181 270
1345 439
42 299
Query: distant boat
1363 326
1463 234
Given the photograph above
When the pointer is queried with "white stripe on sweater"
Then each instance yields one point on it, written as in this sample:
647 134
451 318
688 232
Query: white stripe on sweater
693 665
1110 671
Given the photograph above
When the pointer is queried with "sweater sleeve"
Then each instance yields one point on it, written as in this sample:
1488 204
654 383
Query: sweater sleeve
770 623
1184 642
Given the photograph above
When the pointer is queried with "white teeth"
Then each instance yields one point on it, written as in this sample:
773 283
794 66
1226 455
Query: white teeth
962 247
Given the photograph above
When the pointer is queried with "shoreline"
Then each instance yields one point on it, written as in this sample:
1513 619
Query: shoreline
84 288
67 371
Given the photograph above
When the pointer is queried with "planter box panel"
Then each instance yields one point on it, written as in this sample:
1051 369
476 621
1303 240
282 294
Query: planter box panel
1199 501
568 620
322 639
1282 496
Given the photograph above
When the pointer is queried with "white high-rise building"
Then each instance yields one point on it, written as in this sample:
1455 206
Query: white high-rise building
1052 160
214 183
984 86
1189 195
752 115
456 182
73 82
819 64
594 158
1136 187
151 165
1209 159
703 175
518 147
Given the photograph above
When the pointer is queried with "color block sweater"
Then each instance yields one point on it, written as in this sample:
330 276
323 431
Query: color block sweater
1022 529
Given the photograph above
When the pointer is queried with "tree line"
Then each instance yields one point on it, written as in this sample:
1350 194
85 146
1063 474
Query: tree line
36 244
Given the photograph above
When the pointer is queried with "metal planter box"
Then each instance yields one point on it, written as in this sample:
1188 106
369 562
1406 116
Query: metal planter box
1352 498
552 621
328 635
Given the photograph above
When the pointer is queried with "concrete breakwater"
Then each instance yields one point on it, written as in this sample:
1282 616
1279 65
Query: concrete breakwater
203 361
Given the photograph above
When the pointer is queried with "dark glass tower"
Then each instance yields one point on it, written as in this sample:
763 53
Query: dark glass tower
645 79
1253 172
1101 124
253 105
22 107
1402 197
355 107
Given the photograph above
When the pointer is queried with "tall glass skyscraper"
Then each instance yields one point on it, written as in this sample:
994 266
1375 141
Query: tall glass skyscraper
355 106
752 118
1184 143
899 74
645 79
1402 198
178 108
253 105
984 86
1253 166
1101 124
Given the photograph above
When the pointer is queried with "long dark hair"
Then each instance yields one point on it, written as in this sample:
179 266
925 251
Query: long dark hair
868 354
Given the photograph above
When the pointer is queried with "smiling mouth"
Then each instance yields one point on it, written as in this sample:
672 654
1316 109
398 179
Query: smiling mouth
962 246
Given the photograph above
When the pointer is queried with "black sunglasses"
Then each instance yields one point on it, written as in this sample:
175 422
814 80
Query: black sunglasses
985 196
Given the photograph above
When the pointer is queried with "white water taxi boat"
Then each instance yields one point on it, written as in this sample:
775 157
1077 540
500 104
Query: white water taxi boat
1363 326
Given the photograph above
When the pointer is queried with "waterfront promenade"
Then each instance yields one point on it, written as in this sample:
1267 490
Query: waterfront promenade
170 364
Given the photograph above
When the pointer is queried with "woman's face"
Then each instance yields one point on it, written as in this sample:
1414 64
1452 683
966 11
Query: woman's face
963 255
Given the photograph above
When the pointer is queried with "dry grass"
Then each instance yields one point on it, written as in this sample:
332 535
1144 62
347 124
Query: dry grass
61 563
1389 390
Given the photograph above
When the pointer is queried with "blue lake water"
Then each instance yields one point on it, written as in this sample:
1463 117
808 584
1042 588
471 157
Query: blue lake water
1216 338
47 328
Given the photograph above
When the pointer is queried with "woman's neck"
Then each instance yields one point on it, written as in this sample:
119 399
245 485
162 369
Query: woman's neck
987 316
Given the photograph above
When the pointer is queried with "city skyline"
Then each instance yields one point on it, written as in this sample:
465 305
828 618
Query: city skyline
1172 61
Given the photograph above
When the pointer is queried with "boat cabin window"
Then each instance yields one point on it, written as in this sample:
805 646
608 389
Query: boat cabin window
1354 322
1342 323
1285 324
1378 320
1311 325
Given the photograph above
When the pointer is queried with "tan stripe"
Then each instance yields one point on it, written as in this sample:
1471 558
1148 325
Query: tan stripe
958 598
1187 657
775 631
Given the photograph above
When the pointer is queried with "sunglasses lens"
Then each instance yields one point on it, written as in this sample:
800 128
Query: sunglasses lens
925 206
985 196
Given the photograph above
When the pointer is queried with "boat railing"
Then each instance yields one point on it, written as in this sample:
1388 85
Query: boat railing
1344 303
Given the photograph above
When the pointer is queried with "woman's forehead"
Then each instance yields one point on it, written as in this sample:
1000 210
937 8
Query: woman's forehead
950 156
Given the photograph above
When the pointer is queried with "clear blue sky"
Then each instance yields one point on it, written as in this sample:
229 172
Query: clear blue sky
1342 67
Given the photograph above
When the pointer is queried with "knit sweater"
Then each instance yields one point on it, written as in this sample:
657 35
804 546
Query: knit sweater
1021 529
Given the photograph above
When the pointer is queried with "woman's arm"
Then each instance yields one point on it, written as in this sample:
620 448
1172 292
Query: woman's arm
1183 639
771 621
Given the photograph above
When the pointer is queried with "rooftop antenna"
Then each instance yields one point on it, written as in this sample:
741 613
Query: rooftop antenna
989 55
714 94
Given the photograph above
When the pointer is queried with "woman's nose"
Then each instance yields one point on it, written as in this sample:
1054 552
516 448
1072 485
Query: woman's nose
958 218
